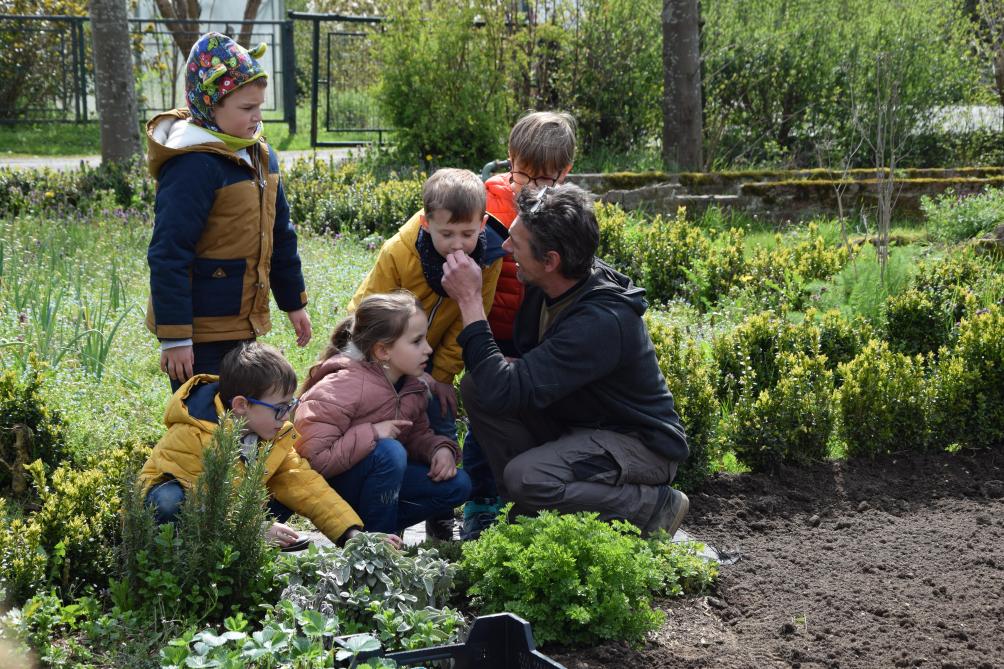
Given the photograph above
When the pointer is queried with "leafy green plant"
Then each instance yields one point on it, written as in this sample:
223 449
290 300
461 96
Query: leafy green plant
747 356
29 429
952 217
882 404
577 579
788 423
916 324
967 389
690 376
214 561
670 248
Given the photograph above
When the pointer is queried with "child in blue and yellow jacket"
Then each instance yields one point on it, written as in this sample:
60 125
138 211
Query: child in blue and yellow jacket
222 236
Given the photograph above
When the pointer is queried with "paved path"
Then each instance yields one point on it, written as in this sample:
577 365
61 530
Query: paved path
74 162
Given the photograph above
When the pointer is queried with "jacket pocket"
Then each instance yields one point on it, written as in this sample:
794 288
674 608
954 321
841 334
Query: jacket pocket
217 287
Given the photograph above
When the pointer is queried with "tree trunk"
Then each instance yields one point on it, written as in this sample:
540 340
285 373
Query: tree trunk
185 30
250 14
682 124
115 87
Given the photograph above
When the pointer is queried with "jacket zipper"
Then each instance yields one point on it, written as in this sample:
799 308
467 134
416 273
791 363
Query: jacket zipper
397 395
435 308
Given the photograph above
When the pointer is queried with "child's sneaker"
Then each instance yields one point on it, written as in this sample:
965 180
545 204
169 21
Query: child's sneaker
669 512
479 514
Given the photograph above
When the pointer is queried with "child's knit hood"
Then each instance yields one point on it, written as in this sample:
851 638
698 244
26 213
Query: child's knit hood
217 66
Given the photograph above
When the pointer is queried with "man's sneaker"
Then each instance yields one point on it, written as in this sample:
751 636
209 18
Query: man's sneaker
479 515
440 528
670 510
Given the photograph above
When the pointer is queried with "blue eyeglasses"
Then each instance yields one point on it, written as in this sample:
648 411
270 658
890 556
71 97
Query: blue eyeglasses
281 410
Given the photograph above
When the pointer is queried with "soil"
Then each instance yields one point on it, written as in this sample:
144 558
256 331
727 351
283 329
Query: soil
896 562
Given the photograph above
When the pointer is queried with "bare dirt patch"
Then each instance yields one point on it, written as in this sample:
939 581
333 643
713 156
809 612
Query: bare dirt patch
896 562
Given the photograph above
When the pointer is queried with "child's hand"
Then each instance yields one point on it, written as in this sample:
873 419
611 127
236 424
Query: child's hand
394 540
280 534
444 393
178 363
389 429
443 466
301 325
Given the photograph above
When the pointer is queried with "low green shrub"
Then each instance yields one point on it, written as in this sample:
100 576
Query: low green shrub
968 386
788 423
348 199
953 218
213 561
747 356
690 376
29 429
24 191
620 239
916 324
839 339
576 579
949 281
68 542
670 247
882 404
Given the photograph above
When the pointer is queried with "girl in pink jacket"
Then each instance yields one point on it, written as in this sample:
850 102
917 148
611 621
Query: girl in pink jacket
363 424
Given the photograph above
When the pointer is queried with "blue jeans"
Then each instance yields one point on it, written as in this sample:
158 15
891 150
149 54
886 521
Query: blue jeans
441 420
390 493
166 498
477 467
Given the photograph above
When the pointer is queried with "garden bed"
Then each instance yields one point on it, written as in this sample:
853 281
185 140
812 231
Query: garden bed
893 562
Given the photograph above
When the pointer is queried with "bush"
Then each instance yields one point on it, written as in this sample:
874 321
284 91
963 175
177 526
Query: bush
789 423
968 385
670 247
125 186
954 218
445 95
950 280
22 404
576 579
839 339
620 239
691 378
214 561
747 356
882 404
69 542
915 324
347 199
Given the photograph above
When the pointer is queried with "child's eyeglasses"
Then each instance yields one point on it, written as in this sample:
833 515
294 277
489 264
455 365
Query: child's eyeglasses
522 178
281 410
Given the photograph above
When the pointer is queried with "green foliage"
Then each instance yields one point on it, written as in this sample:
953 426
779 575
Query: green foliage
68 542
370 585
967 390
348 199
789 423
22 404
690 376
214 562
620 239
444 93
125 186
951 282
576 579
839 339
747 357
670 248
882 404
916 324
289 637
795 81
861 290
954 218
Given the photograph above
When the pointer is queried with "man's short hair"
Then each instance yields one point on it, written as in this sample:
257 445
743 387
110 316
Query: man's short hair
460 192
254 370
543 141
561 219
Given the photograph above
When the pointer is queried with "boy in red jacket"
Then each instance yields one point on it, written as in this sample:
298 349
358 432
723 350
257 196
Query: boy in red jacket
541 152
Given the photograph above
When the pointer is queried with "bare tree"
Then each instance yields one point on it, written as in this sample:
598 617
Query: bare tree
115 85
991 17
182 21
682 123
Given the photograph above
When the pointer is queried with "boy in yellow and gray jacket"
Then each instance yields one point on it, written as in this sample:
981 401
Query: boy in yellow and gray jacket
256 383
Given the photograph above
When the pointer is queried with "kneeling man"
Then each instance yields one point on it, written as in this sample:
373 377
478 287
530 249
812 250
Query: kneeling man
582 420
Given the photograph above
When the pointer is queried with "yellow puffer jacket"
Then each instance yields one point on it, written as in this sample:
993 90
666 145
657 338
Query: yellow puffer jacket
398 266
192 417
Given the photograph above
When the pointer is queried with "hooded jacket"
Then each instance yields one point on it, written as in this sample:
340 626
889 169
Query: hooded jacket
501 206
399 266
342 400
594 367
222 236
192 416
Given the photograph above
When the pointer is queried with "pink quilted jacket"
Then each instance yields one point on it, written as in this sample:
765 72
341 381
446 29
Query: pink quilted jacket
341 402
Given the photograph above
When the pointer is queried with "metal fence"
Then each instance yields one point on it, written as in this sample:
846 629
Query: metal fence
48 73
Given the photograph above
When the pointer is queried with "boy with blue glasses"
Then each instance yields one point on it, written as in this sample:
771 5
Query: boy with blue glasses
256 384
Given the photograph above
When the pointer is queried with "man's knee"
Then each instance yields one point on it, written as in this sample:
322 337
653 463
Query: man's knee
458 489
530 485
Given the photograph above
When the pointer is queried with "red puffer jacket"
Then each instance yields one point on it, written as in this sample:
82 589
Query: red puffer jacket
509 291
339 406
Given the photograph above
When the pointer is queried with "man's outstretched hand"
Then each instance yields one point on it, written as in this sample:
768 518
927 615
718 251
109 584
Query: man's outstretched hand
462 281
